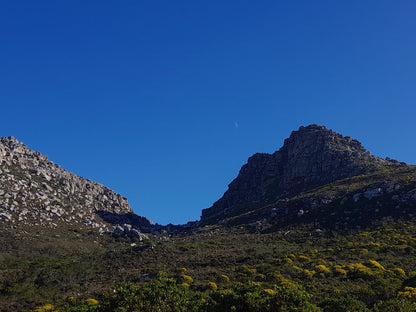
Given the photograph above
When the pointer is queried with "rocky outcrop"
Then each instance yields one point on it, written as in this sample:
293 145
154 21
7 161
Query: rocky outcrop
311 157
317 176
34 191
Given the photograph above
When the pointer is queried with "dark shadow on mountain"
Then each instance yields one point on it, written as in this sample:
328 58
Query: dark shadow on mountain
137 222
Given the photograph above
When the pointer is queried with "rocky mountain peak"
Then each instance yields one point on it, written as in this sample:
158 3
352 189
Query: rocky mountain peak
310 157
314 137
317 153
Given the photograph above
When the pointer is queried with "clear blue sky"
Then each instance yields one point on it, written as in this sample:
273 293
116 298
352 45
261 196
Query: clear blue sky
164 101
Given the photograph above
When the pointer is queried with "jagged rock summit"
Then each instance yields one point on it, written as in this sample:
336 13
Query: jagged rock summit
311 157
34 191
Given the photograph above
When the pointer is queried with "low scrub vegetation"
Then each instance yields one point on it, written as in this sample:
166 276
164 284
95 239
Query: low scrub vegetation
227 269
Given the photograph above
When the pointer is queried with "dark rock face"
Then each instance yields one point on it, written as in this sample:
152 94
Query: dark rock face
34 191
310 157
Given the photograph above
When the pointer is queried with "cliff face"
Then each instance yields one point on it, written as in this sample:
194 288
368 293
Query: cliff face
312 156
34 191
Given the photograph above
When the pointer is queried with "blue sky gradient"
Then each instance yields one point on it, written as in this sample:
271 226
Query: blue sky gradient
164 101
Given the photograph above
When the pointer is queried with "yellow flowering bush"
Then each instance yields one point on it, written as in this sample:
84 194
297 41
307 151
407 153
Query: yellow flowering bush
269 291
91 301
359 270
322 269
187 279
308 273
292 256
260 276
375 264
225 278
297 268
338 270
399 272
46 307
304 258
408 292
212 286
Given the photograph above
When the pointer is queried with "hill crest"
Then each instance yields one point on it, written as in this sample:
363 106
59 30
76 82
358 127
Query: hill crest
311 157
35 191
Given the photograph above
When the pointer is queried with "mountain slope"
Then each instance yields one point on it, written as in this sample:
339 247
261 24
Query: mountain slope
279 186
35 192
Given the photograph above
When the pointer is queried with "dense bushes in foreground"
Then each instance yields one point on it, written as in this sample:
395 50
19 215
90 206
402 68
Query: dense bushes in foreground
167 294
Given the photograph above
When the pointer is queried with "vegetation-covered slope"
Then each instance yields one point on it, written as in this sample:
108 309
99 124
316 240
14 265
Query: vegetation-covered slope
372 268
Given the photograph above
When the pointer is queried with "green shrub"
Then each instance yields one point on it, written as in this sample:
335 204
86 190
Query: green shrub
345 304
160 295
395 305
251 297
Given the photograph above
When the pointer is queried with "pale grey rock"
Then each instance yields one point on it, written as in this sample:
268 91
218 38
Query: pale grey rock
372 193
118 230
138 234
47 187
6 216
31 183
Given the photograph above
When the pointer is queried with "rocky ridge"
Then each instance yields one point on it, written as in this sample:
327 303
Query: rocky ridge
283 186
34 191
318 176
